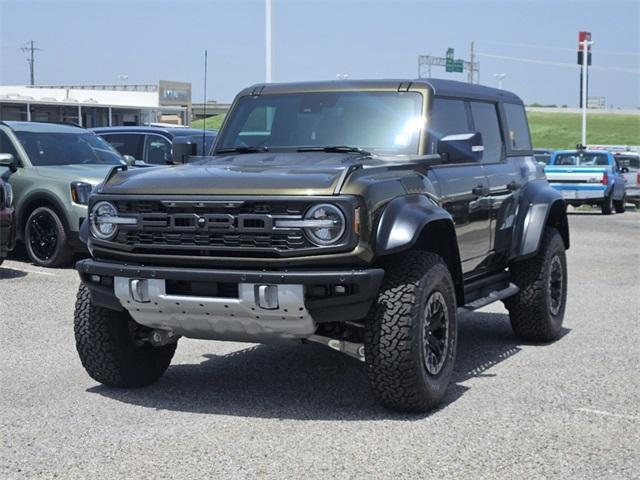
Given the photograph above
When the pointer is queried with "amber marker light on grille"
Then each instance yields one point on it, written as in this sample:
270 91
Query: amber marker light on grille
356 221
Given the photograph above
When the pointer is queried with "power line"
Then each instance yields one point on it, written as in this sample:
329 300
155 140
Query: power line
558 64
31 49
559 49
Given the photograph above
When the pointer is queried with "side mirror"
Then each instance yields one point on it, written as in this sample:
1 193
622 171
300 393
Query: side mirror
462 147
182 149
9 161
624 170
130 160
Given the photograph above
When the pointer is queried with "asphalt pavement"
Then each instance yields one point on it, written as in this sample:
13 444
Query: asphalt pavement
570 409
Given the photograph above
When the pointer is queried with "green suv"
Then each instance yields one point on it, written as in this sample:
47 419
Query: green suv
58 166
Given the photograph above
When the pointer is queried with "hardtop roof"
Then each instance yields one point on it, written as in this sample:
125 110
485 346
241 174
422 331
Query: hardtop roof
437 86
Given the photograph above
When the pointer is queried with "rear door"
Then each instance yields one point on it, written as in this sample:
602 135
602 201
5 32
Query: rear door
464 188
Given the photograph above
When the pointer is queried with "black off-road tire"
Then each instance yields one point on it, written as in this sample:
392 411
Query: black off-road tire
607 205
107 349
395 339
62 253
620 205
537 311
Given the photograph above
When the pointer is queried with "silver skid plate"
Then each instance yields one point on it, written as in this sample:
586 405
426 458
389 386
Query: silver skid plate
217 318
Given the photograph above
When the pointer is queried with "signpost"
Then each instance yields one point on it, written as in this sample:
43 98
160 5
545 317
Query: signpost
452 65
584 59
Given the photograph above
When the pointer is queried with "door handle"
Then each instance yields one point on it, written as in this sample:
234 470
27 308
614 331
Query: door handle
480 190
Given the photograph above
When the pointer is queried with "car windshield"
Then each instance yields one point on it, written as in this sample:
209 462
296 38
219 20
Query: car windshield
379 122
55 148
582 159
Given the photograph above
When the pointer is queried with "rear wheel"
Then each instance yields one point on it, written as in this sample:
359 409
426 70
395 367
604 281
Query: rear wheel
112 348
620 205
537 311
46 239
411 335
607 205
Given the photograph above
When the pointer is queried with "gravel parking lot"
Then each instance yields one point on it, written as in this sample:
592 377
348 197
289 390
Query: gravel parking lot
570 409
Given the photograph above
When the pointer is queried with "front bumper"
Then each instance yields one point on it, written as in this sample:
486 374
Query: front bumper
345 295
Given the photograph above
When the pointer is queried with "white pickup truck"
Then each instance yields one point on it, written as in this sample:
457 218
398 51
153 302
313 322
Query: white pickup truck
591 177
631 161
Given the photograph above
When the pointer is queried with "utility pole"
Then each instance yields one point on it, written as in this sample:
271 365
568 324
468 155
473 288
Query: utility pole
471 65
268 52
31 49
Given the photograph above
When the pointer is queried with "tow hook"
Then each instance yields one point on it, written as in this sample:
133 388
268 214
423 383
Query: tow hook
159 338
355 350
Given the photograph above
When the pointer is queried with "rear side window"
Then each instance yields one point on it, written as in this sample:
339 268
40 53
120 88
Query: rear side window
127 143
485 121
517 126
448 116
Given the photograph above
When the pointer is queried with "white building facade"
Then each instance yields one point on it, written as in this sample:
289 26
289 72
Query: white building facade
98 105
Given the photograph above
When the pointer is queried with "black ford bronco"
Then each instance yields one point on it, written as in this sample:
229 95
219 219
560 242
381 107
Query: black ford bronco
363 215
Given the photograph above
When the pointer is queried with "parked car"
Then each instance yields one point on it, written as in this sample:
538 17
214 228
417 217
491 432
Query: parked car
588 177
7 217
333 213
542 155
58 166
153 145
631 161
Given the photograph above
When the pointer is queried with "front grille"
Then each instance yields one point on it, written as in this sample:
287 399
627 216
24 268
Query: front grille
235 228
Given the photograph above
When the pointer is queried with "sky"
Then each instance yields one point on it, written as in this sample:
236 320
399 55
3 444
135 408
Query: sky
94 41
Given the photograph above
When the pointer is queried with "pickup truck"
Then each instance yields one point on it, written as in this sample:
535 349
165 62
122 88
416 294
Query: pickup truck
588 177
631 161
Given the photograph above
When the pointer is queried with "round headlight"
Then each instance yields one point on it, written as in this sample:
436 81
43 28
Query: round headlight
331 224
99 217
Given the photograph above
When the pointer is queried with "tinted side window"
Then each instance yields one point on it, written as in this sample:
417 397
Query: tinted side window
6 145
448 117
126 143
157 150
518 128
485 121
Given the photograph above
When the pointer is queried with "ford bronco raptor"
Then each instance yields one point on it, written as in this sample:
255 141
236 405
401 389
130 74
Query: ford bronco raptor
362 215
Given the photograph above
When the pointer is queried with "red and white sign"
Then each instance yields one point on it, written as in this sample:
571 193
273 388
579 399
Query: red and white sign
582 37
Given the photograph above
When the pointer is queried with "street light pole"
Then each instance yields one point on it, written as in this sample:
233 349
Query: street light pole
499 77
268 53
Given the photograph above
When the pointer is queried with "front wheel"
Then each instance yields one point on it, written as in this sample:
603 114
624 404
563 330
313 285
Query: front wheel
46 239
537 310
411 334
111 348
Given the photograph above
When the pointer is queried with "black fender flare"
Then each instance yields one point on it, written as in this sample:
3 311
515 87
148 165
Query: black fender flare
540 205
416 221
39 197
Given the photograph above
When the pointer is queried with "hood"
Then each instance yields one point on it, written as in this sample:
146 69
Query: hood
92 174
296 173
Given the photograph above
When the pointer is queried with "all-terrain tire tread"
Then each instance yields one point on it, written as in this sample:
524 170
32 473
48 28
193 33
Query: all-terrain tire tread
528 310
391 368
107 355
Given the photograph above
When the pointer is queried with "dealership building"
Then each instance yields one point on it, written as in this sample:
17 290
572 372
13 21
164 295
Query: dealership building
98 105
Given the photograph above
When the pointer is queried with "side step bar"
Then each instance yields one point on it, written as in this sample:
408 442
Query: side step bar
494 296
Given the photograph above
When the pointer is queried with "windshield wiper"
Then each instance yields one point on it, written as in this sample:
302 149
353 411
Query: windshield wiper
249 149
335 149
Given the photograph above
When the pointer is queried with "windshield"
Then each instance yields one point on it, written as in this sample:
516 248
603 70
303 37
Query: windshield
582 159
48 149
379 122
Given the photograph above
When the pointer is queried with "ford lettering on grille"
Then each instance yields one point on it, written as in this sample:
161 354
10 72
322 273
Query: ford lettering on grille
206 222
